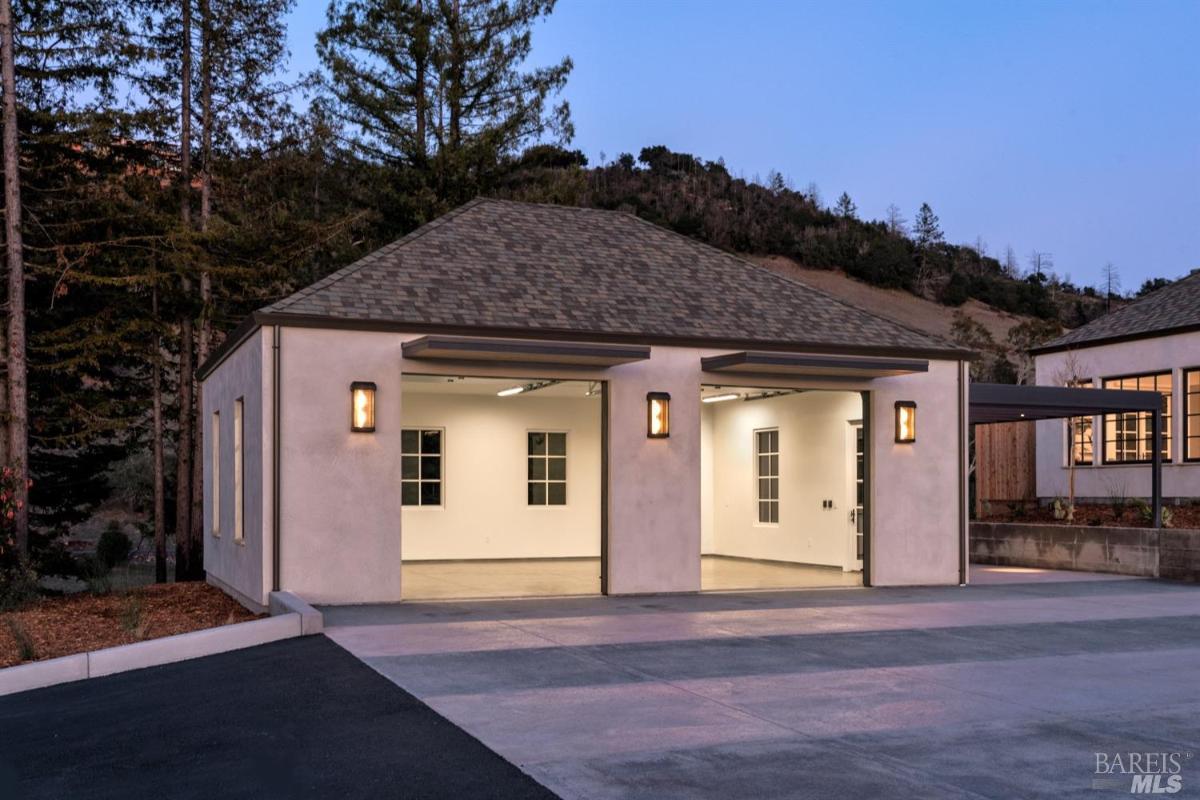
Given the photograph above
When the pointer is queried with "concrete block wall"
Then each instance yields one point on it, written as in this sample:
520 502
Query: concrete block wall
1145 552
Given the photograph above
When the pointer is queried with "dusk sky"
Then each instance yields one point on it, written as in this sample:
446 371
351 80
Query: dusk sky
1070 128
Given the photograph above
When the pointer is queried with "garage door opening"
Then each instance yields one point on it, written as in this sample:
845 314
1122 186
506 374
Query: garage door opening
784 488
501 486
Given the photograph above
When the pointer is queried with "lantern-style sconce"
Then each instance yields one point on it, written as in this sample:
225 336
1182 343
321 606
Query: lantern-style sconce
362 407
658 415
906 422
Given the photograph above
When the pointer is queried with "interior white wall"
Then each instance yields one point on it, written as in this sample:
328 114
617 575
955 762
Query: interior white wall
813 468
707 522
484 512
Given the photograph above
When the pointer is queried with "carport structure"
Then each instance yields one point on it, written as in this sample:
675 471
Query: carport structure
995 402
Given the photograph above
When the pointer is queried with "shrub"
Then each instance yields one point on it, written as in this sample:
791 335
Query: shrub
114 546
25 648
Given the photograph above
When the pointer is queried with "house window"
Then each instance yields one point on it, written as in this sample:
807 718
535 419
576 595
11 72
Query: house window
766 448
1191 414
1080 429
239 482
421 467
547 475
1127 436
215 435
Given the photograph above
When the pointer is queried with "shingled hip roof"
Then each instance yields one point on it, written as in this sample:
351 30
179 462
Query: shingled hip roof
1172 309
532 270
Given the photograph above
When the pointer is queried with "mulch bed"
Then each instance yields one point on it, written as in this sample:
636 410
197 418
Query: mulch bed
60 626
1098 515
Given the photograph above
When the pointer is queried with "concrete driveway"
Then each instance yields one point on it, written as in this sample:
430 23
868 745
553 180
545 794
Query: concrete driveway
1007 688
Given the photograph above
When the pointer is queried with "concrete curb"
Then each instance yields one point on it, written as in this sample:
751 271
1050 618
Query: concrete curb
153 652
311 620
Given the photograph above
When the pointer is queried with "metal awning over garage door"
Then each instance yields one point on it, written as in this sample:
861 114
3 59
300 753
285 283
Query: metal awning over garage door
812 365
524 351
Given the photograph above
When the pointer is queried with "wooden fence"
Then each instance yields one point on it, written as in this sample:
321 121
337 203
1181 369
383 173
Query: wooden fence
1005 468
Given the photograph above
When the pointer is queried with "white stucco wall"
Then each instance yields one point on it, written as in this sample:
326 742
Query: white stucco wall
1099 481
243 567
485 513
814 455
916 516
342 525
340 504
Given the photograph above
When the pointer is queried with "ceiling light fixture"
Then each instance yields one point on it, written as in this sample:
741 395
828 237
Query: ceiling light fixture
528 387
719 398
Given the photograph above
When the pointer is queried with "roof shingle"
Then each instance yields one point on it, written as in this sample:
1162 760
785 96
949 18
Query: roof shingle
1172 308
503 265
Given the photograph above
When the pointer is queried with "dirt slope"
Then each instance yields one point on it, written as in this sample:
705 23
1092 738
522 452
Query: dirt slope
905 308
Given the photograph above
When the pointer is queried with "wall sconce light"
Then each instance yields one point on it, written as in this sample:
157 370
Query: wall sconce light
906 422
658 415
362 407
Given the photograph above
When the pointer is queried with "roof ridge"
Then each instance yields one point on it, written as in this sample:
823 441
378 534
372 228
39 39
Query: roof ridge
790 279
1136 303
370 258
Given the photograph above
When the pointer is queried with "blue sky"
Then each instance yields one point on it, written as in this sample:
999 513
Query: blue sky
1068 127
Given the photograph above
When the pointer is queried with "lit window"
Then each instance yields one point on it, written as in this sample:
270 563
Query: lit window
1127 436
1081 433
420 467
547 475
766 447
215 436
1191 414
239 484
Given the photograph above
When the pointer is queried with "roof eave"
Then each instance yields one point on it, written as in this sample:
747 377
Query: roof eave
1054 347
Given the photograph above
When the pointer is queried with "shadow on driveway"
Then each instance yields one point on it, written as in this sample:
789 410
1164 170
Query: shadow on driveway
294 719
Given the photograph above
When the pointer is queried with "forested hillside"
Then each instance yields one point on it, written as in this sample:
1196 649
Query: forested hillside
169 183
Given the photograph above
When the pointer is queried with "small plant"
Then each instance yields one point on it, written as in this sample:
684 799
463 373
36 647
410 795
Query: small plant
1144 512
133 618
1061 508
25 648
1168 517
96 575
1118 498
114 546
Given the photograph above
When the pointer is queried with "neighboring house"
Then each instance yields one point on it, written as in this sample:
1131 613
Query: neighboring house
1152 344
528 399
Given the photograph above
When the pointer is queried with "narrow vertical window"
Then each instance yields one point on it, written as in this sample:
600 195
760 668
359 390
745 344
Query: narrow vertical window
766 448
420 467
239 477
547 470
214 436
1191 414
1081 433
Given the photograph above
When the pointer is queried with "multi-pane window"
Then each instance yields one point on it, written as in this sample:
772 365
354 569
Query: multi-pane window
215 435
1127 436
239 477
1081 433
420 467
1191 414
547 474
766 450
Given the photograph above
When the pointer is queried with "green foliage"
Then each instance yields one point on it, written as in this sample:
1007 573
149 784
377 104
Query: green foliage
114 546
25 647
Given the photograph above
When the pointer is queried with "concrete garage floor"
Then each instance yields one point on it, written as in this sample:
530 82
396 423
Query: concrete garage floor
1005 688
544 577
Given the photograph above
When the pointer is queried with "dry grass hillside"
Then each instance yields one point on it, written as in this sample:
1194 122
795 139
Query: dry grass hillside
897 304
